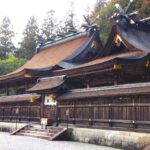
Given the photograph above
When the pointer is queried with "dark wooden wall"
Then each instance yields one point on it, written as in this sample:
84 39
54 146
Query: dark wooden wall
27 111
124 112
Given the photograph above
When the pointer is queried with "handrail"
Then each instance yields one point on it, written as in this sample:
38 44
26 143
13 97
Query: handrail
14 132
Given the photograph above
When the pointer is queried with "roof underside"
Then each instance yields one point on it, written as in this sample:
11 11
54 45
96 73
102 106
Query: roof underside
18 98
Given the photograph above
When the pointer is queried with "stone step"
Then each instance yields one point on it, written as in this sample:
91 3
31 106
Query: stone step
50 133
34 135
46 130
38 132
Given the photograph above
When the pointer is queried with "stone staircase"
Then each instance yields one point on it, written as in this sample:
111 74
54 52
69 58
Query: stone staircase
50 133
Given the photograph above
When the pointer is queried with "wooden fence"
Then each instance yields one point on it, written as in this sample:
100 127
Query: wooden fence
126 112
26 113
20 113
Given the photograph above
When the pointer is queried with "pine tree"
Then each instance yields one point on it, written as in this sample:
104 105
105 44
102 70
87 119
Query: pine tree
106 11
69 22
29 42
49 25
144 11
6 35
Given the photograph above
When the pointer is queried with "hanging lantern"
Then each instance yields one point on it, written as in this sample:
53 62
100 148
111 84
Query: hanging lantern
117 66
147 64
52 98
32 99
27 75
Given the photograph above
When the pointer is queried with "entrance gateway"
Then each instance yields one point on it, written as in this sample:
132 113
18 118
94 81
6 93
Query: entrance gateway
49 116
49 88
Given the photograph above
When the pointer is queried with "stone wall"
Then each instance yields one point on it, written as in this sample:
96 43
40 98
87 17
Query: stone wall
119 139
9 127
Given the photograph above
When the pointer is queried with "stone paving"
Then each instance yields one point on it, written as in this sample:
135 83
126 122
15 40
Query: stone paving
11 142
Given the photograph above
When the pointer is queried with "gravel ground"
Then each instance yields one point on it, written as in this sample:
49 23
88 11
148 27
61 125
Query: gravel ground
10 142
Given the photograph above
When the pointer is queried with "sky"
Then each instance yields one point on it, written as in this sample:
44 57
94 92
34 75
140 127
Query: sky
19 11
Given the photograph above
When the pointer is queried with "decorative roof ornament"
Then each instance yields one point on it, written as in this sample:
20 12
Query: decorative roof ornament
126 20
90 27
123 18
40 43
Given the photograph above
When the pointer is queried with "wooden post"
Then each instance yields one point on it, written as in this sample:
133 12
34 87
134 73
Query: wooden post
10 113
87 83
110 114
29 113
91 114
134 113
57 114
42 106
116 76
7 90
115 79
74 113
3 113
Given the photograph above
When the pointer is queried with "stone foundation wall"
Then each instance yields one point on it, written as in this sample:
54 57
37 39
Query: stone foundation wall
9 127
118 139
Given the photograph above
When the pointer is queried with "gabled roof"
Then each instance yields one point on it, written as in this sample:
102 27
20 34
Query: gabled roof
133 47
47 84
53 54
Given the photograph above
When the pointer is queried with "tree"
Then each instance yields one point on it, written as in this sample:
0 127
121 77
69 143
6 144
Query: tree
69 22
10 64
6 35
30 37
144 11
104 11
49 25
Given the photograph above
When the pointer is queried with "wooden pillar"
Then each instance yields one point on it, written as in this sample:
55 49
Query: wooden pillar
110 114
42 106
10 113
134 113
74 113
57 113
87 83
7 90
115 78
3 113
117 68
91 114
26 86
15 89
29 112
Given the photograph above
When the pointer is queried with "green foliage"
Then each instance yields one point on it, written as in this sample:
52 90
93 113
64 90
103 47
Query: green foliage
104 11
52 27
10 64
6 35
30 36
144 11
